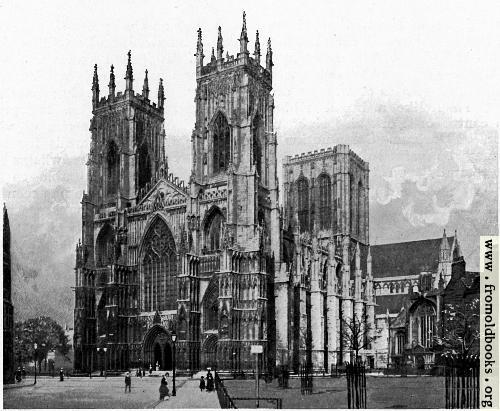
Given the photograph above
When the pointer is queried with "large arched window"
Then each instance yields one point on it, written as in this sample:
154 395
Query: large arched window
325 201
423 321
303 203
105 246
159 268
144 165
213 230
113 163
257 144
221 144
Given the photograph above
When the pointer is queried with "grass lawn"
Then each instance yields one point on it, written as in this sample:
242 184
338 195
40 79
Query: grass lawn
382 392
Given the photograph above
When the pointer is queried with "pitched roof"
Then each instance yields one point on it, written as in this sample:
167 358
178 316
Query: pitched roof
393 302
409 258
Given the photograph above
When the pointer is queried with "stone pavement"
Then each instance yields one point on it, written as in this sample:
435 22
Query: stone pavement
190 396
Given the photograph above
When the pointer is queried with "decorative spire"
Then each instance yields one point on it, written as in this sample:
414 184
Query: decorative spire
199 54
95 88
199 44
269 56
212 59
129 75
145 87
161 94
220 49
257 48
244 35
111 84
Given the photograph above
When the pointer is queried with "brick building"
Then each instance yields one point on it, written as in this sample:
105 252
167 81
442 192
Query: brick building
210 260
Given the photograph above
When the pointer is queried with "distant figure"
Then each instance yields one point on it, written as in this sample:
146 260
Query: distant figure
157 366
202 383
210 381
18 374
164 389
23 373
61 375
128 382
150 369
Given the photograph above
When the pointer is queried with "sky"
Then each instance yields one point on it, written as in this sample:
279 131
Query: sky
412 87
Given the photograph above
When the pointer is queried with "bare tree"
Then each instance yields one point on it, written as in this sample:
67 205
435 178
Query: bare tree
357 334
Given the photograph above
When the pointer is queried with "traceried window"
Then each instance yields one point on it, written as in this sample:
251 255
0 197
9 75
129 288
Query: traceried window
159 268
221 144
257 145
423 324
144 165
303 203
213 231
113 165
325 201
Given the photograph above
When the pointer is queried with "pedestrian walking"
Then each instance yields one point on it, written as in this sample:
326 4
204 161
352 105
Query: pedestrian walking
210 381
164 392
150 369
18 374
128 382
23 373
61 375
202 383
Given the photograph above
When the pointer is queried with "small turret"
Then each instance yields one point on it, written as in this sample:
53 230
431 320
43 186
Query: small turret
444 254
257 48
212 58
269 56
112 85
129 78
161 95
244 36
145 87
95 88
220 49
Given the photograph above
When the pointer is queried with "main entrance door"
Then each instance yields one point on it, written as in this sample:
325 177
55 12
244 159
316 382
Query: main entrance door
158 348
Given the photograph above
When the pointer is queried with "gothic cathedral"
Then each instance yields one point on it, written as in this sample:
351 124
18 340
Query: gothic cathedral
217 262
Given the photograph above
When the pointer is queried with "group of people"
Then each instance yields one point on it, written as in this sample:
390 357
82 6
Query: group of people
20 374
207 383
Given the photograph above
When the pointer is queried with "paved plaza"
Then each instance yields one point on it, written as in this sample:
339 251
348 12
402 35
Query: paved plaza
83 392
382 392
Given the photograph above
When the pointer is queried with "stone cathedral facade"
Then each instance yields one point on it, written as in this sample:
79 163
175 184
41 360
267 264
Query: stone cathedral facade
216 261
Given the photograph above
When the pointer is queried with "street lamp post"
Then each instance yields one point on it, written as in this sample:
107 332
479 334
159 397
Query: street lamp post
105 362
174 337
35 346
91 361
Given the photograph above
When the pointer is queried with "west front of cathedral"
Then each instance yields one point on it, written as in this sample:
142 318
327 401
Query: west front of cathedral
221 262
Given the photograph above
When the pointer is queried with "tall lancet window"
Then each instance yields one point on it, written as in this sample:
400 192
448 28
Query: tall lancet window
325 201
159 268
221 144
359 208
113 165
257 144
213 231
303 203
144 165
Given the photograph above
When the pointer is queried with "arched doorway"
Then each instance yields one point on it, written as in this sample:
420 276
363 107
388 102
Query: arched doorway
158 348
210 351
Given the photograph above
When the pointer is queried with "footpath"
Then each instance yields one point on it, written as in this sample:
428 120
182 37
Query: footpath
190 396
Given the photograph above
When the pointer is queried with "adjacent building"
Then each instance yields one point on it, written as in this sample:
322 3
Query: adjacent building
8 308
415 282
